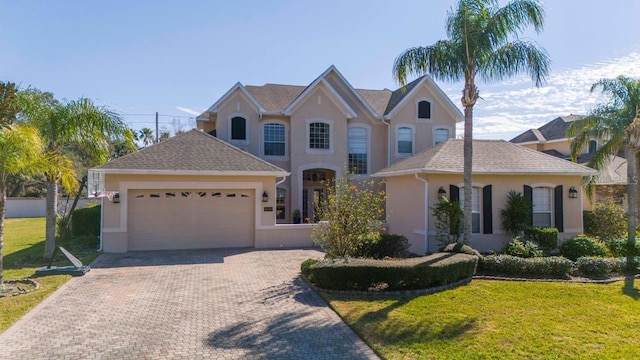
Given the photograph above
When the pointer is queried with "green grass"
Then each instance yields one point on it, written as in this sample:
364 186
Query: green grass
500 320
23 250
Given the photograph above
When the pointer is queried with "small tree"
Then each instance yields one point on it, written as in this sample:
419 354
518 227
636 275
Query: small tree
607 221
449 218
516 214
351 211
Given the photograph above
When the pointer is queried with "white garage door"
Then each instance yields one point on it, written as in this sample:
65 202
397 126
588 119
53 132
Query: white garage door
190 219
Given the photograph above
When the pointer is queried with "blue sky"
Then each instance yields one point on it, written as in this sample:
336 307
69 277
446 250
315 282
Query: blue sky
179 57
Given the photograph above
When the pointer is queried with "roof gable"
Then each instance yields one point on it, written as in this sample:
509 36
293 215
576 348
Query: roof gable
234 88
489 157
320 81
401 95
555 129
192 152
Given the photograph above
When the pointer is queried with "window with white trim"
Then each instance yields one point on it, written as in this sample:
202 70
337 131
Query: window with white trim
424 110
475 208
274 139
357 140
281 201
405 140
238 128
319 136
440 135
542 206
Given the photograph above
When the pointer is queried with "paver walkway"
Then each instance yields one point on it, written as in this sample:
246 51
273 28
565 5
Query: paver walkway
206 304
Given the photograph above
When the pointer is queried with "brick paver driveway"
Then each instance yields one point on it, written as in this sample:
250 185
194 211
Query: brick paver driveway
206 304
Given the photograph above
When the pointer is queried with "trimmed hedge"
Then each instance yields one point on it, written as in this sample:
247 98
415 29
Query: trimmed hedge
86 222
545 237
618 247
379 246
512 265
602 267
405 274
581 246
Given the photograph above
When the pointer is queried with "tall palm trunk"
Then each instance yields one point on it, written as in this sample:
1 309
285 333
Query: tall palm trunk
51 217
468 164
3 201
631 203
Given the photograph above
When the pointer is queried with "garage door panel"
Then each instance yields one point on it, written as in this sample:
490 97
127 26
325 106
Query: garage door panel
190 219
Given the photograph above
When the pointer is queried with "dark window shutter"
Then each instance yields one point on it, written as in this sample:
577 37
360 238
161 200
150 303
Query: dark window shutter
528 196
454 193
558 210
487 212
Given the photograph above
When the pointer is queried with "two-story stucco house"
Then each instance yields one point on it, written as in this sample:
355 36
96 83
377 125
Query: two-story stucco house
317 131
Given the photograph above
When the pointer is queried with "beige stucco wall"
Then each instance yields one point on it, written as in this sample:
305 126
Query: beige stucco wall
406 212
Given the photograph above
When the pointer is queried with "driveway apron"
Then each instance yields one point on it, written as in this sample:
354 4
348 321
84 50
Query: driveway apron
204 304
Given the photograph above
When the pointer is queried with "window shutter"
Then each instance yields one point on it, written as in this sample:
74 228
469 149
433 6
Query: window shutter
454 193
487 212
558 210
528 196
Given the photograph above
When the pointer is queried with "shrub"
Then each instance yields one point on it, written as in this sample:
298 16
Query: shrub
379 246
512 265
523 249
304 267
597 266
606 221
461 249
351 211
86 222
545 237
618 247
415 273
516 214
582 245
449 216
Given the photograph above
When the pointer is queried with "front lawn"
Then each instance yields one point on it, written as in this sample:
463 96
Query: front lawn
23 250
500 319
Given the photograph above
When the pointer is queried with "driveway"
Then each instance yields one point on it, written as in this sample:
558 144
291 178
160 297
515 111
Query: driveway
205 304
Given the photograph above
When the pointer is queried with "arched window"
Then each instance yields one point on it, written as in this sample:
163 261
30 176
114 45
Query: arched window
274 139
238 128
593 146
424 110
319 136
405 140
358 144
440 136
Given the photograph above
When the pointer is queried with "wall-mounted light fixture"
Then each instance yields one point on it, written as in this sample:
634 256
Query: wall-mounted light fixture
265 197
441 193
573 193
116 198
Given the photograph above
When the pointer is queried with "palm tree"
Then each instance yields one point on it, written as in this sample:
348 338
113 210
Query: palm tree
8 108
146 136
479 43
21 148
80 123
616 122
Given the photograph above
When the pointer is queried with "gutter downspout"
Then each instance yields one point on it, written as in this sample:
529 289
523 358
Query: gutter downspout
426 212
388 140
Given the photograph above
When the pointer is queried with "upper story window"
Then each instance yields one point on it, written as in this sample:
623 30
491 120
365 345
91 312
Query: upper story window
274 139
238 128
424 110
358 139
593 146
541 198
319 136
440 136
405 140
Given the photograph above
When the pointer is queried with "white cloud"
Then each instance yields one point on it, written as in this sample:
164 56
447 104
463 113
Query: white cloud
189 111
515 106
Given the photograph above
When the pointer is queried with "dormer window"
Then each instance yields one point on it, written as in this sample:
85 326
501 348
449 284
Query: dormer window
424 110
238 128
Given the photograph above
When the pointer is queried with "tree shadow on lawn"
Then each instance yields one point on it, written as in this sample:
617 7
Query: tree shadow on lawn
629 288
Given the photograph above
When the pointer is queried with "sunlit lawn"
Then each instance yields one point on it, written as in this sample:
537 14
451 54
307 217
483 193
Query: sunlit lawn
501 320
23 250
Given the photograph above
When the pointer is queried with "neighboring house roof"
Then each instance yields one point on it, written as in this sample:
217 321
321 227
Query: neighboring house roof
489 157
277 98
614 171
555 129
192 152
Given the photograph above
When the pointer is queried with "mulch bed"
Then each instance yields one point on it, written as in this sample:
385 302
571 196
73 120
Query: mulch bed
18 287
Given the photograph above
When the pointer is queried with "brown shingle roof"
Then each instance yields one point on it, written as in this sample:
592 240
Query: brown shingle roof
377 99
275 97
555 129
193 151
489 157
